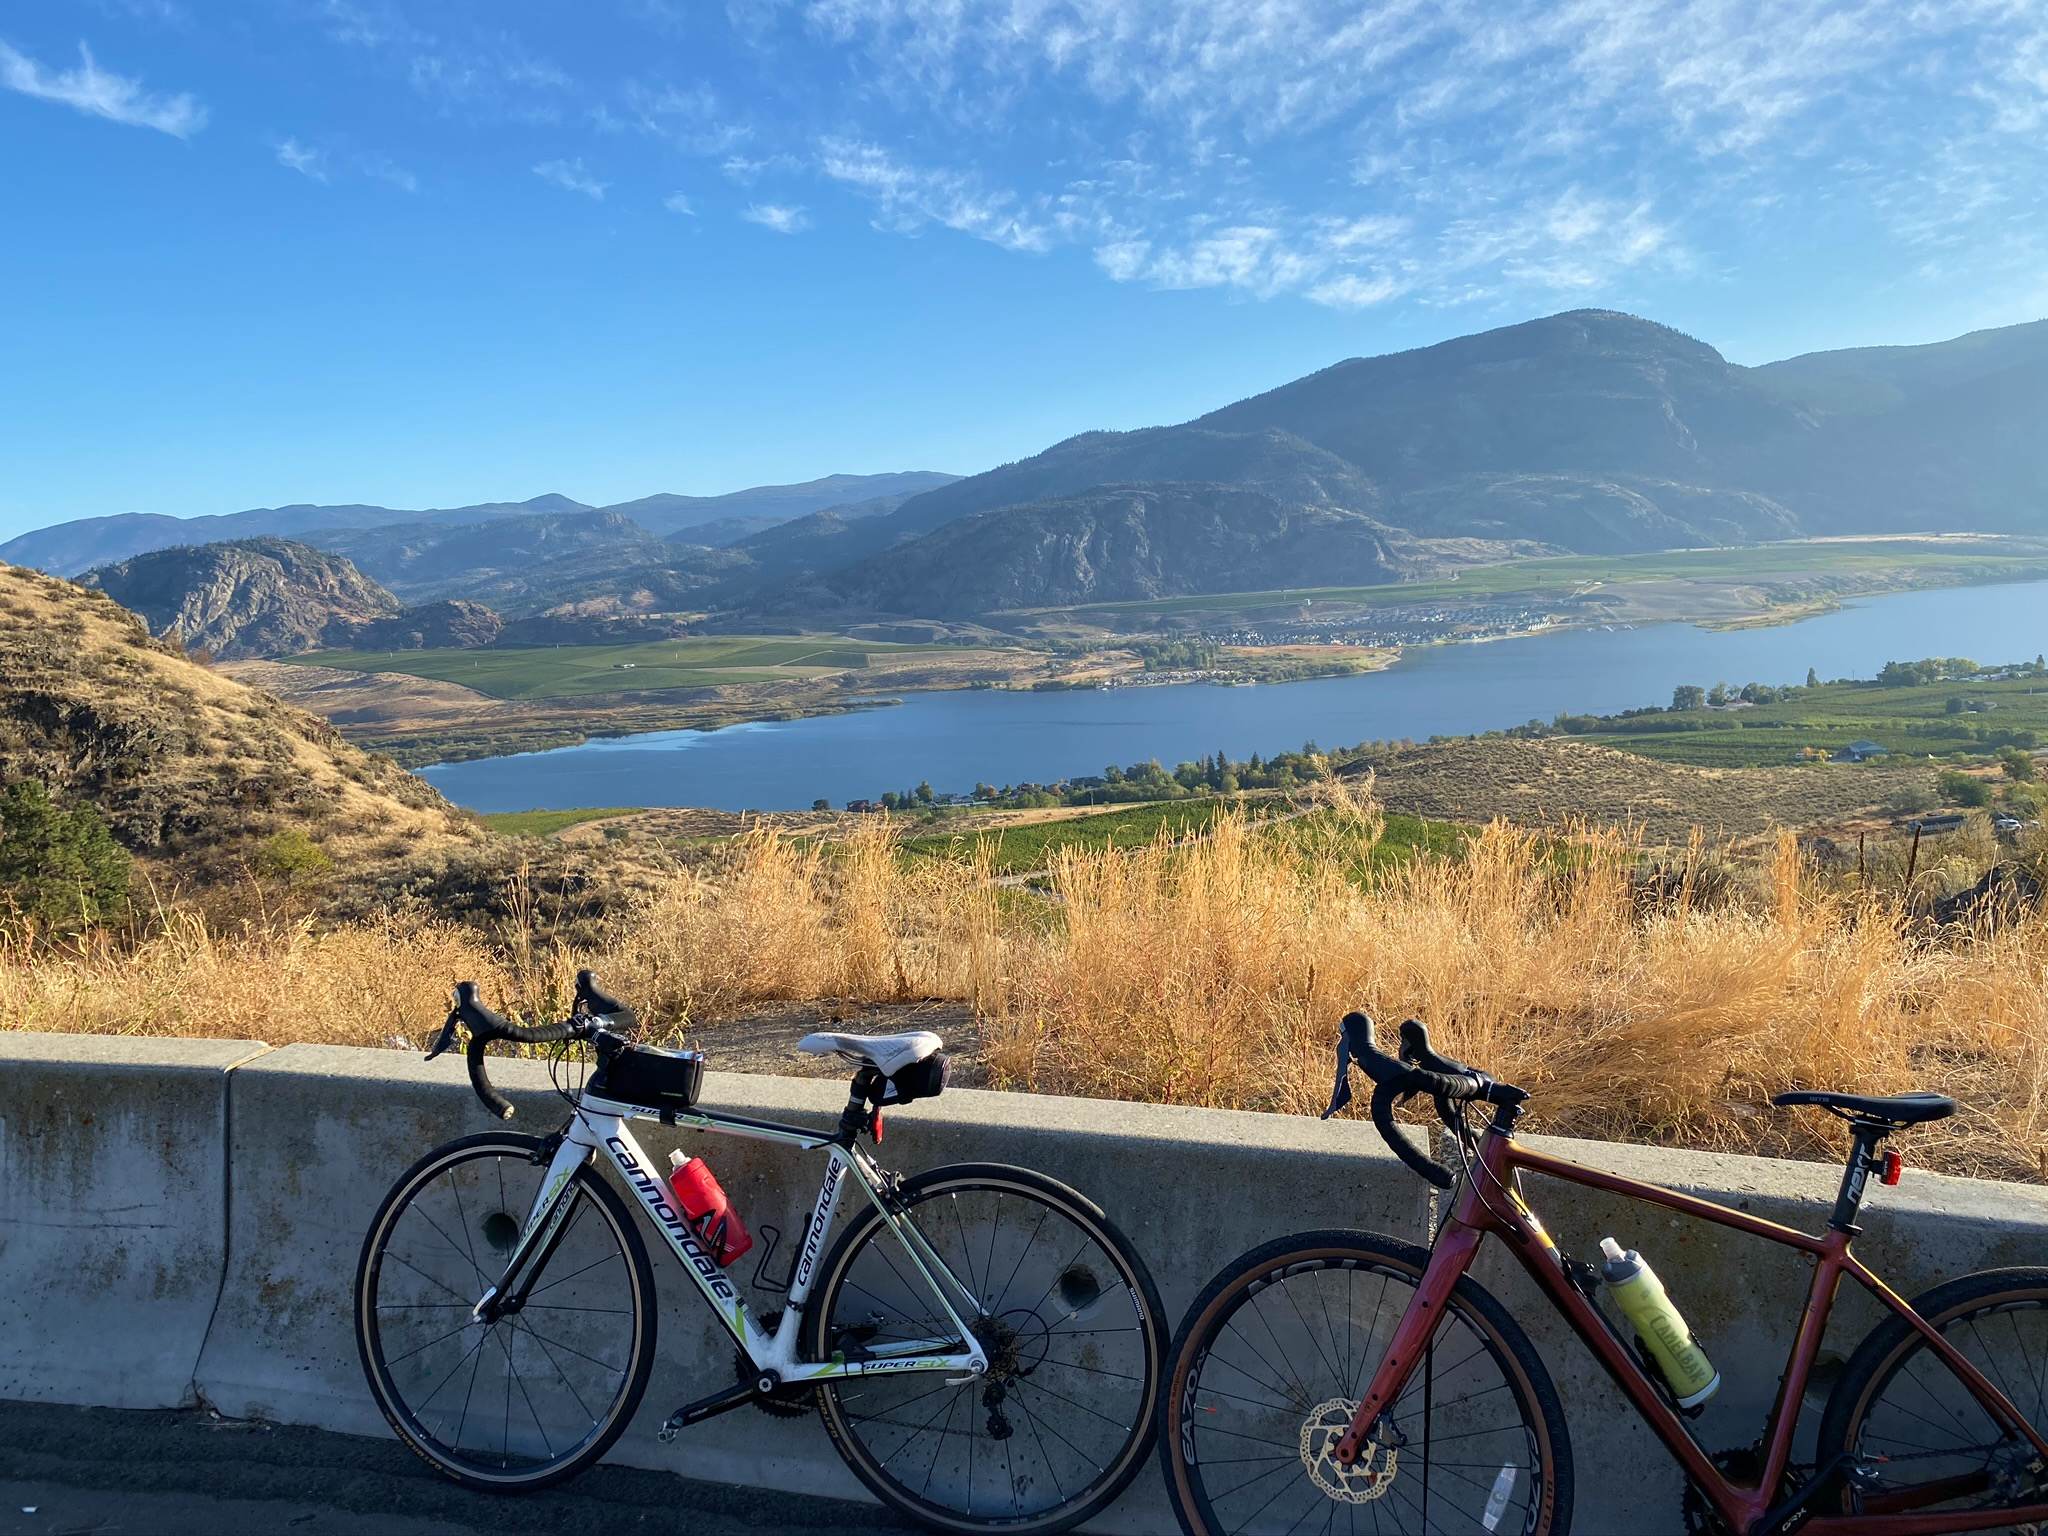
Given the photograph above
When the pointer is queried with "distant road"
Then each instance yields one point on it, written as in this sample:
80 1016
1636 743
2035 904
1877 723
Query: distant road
94 1470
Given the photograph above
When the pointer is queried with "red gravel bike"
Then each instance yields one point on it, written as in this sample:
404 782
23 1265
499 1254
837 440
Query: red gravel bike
1349 1382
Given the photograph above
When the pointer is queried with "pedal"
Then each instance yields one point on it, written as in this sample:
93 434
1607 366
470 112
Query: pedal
736 1396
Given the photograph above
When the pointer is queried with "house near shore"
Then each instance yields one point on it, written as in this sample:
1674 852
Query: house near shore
1860 752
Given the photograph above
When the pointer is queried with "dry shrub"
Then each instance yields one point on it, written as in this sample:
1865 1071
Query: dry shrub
1214 975
1209 972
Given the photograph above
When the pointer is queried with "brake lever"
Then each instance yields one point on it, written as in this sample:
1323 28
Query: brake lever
450 1036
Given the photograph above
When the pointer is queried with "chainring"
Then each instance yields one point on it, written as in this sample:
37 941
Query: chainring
1743 1464
785 1402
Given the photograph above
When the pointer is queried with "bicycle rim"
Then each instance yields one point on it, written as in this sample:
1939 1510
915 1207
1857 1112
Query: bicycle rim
1924 1442
1063 1418
529 1398
1272 1363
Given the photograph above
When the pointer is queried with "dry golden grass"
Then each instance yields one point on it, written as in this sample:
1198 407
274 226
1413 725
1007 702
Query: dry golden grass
182 760
1214 973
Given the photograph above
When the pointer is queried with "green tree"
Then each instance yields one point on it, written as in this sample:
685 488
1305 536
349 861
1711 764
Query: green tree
1717 696
1959 788
292 856
1956 704
60 867
924 792
2018 765
1812 678
1688 696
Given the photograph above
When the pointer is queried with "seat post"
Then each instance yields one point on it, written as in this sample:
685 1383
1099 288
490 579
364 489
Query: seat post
1865 1135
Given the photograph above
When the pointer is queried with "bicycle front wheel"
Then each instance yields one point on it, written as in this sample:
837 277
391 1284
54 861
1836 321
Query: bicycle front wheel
537 1394
1068 1318
1914 1437
1272 1362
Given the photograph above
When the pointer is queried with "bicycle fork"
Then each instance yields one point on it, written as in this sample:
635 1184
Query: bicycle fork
538 1237
1456 1245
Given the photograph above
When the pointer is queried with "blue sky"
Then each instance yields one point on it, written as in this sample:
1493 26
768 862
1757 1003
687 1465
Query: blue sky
428 253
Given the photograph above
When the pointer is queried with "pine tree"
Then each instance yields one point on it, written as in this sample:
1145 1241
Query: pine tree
61 867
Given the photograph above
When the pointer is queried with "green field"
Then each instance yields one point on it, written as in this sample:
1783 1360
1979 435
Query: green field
548 823
558 671
1907 722
1033 845
1858 559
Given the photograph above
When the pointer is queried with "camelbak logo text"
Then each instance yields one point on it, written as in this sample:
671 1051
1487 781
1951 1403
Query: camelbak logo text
654 1195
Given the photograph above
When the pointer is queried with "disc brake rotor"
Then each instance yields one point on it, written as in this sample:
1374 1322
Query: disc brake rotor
1367 1478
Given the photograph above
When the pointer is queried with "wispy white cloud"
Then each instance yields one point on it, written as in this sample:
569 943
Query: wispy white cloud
691 117
677 202
304 159
377 168
1353 291
783 218
101 93
571 176
322 162
747 169
908 197
1500 149
472 71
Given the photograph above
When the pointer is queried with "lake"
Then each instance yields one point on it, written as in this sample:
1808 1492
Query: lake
957 739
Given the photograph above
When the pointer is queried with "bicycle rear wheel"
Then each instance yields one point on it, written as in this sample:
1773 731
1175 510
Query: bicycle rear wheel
1920 1440
1071 1327
534 1396
1272 1361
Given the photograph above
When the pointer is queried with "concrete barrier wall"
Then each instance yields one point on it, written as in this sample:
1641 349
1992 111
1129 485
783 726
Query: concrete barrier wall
113 1214
320 1133
315 1136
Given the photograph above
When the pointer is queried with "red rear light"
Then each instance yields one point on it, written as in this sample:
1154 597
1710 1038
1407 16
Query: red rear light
1894 1165
878 1133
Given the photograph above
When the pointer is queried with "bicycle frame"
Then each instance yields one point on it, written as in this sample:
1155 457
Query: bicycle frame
599 1126
1501 1160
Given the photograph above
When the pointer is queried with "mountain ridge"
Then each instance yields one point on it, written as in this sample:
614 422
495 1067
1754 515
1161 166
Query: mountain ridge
66 548
1590 431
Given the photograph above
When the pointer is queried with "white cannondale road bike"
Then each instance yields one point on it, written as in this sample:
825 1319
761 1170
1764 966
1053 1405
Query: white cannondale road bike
982 1344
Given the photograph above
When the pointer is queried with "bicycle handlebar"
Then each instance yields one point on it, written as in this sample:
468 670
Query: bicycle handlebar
593 1008
1419 1070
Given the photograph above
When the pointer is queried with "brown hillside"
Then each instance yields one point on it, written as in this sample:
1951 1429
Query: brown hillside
1550 783
183 761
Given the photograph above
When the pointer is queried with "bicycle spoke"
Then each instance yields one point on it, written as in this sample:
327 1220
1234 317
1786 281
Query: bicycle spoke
1925 1439
572 1387
933 1448
1247 1406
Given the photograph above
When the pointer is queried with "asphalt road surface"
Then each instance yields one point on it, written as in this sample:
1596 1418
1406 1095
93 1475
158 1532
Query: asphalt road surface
100 1472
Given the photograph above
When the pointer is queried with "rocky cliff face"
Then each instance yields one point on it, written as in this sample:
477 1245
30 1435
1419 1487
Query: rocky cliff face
251 597
1127 542
455 623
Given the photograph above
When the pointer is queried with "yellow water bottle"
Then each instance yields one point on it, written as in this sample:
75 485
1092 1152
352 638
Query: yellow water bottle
1640 1294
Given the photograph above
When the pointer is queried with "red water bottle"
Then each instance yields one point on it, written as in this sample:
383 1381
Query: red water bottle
717 1225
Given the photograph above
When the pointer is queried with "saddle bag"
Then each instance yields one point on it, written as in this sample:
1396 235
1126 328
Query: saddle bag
643 1074
920 1080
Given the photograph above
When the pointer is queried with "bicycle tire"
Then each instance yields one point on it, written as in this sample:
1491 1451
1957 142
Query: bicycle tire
1146 1326
1891 1349
1284 1260
405 1418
